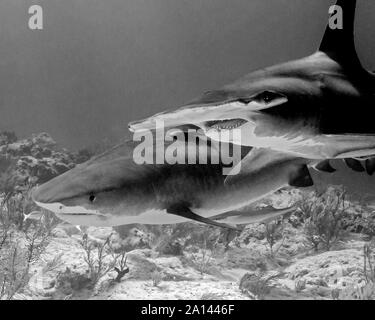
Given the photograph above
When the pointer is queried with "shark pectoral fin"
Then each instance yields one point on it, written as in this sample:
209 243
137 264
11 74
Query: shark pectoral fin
259 215
325 166
301 178
185 212
355 165
370 166
257 159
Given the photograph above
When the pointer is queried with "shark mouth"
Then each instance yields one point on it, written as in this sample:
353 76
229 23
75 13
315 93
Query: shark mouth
62 210
229 124
78 214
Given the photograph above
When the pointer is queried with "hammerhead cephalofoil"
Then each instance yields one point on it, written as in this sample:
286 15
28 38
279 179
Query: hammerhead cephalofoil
112 189
318 107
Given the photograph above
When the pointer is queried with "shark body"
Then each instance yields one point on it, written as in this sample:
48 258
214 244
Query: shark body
318 107
112 189
291 115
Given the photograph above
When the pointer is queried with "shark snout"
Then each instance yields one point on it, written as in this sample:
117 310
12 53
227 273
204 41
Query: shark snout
44 199
49 199
142 125
57 189
41 195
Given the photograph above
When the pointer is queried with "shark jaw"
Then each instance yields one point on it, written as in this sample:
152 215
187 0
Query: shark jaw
226 115
223 125
79 215
230 122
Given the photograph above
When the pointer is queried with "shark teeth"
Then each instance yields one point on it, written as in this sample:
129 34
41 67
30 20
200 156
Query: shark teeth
225 124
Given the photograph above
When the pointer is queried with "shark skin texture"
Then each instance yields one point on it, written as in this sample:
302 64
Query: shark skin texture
319 107
112 189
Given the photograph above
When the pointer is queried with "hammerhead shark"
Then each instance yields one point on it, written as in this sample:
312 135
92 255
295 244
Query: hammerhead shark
317 107
111 189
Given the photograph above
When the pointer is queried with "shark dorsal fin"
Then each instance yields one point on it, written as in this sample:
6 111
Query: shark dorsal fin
338 41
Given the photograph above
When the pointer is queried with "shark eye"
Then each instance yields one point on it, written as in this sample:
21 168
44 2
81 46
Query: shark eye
267 97
92 197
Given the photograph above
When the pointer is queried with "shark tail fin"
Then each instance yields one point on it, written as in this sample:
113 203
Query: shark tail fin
338 41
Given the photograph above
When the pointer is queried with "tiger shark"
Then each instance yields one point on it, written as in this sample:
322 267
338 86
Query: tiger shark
111 189
317 107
